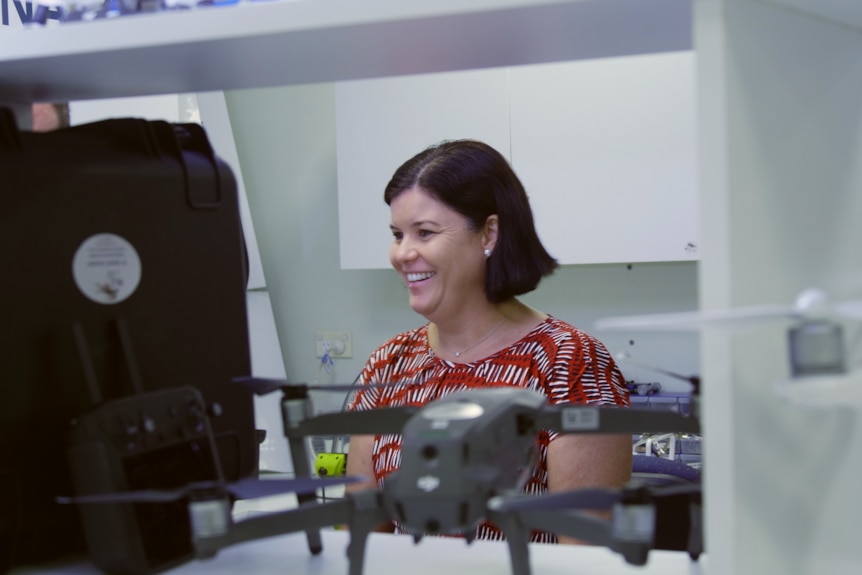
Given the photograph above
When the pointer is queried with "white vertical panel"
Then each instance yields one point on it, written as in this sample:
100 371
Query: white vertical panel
216 121
714 290
789 193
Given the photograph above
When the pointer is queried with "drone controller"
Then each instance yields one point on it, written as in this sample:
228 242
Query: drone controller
154 440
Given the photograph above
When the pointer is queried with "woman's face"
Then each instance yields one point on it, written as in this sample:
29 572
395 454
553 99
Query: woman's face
440 259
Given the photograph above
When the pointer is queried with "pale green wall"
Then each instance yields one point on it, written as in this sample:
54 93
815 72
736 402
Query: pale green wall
286 143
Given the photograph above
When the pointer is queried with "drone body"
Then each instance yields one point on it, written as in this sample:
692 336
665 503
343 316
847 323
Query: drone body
457 453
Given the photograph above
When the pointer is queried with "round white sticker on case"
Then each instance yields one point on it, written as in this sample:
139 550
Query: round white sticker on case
106 268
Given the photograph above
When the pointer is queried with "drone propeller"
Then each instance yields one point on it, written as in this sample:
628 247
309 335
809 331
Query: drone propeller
264 385
243 489
592 499
811 304
694 380
371 422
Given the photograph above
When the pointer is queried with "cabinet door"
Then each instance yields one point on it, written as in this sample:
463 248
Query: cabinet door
381 123
607 151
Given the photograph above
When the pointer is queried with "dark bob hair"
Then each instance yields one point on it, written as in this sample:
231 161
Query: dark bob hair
476 181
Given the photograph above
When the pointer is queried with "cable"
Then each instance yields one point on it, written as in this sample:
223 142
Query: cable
325 364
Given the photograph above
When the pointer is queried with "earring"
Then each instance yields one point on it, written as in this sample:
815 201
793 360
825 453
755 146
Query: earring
487 253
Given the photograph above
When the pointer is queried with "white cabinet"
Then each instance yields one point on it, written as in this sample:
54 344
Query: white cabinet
606 149
382 123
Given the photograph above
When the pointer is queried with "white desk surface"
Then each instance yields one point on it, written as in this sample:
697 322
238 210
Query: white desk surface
396 555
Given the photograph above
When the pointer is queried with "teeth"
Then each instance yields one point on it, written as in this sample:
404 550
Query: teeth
419 277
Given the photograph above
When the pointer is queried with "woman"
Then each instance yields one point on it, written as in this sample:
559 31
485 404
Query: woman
465 246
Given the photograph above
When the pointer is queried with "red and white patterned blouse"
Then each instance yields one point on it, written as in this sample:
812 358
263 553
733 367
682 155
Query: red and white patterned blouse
555 358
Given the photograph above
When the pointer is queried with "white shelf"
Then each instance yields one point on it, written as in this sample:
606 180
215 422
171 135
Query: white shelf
310 41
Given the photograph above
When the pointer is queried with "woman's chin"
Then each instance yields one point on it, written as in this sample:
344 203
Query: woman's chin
420 307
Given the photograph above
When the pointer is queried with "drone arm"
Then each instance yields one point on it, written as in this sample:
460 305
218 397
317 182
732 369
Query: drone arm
629 532
304 518
569 522
595 419
362 511
517 524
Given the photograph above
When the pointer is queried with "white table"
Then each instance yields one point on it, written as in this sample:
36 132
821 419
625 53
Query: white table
397 555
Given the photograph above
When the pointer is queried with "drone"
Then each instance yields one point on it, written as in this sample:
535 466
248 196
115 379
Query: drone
463 462
816 342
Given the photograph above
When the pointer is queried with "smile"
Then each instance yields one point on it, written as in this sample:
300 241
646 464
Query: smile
419 277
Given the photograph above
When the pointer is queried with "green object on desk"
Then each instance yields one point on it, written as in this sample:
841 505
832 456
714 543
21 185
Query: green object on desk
330 464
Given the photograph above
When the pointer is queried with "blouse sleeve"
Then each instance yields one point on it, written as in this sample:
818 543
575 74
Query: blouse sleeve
365 397
585 373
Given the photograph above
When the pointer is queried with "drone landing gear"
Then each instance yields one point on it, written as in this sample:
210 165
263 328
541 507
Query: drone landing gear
517 538
367 513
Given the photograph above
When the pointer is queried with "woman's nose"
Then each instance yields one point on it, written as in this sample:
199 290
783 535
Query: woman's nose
403 251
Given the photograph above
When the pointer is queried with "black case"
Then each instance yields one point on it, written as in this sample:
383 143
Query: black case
160 188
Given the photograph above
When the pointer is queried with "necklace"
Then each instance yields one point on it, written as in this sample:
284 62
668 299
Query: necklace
465 350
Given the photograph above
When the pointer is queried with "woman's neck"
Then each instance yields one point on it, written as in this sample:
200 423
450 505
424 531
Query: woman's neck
483 331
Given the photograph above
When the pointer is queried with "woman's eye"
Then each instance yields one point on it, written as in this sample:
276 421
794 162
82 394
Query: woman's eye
425 233
397 236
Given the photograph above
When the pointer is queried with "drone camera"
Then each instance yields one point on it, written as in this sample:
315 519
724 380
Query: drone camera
429 452
525 425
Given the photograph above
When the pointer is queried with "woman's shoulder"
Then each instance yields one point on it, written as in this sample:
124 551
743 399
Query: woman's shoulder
398 358
410 341
412 336
561 330
557 338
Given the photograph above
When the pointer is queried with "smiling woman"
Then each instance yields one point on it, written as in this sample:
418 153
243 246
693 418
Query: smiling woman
465 245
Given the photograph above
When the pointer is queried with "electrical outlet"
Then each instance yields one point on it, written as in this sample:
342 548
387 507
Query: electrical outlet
339 344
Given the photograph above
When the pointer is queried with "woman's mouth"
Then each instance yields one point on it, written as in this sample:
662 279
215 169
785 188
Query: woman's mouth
418 277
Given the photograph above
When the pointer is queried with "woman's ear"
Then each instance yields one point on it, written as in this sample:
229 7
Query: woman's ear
489 233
